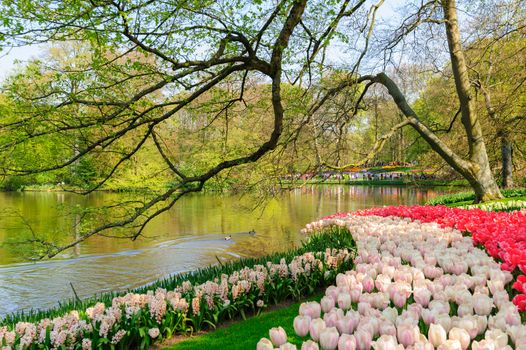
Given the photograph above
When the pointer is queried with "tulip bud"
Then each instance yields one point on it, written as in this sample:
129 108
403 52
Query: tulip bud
347 342
461 335
264 344
310 345
329 338
315 328
327 303
301 325
278 336
344 301
437 334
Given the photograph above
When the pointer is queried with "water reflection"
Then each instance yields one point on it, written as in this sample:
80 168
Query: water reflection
189 236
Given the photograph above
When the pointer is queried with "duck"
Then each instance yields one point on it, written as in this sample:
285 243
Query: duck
228 238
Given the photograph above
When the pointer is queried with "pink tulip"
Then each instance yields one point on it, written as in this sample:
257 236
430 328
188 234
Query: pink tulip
264 344
315 328
422 296
407 334
332 291
482 304
288 346
344 301
470 325
301 325
461 335
331 318
329 338
278 336
355 295
437 334
399 299
312 309
310 345
429 316
347 342
363 339
345 325
327 303
387 328
363 307
368 284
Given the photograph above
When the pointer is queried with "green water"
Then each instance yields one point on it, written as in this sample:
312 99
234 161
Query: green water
188 236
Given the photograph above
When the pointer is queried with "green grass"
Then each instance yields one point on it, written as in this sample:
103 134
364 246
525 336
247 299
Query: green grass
245 334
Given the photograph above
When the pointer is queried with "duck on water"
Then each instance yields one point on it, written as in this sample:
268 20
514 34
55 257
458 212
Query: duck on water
251 232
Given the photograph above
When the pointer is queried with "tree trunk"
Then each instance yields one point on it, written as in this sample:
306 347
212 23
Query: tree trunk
475 170
483 181
507 164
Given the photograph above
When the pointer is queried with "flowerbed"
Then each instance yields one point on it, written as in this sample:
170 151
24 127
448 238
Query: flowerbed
135 320
503 235
416 285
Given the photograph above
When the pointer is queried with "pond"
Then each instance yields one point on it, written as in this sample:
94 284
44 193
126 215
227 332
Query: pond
189 236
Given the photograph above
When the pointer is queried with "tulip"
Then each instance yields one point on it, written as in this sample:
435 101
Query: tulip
347 342
345 325
390 313
498 337
423 345
310 345
482 304
327 303
437 334
315 328
465 309
301 325
422 296
470 325
331 318
288 346
461 335
444 320
429 316
399 299
344 301
329 338
368 284
264 344
387 328
312 309
363 339
385 342
355 295
278 336
450 345
332 292
407 334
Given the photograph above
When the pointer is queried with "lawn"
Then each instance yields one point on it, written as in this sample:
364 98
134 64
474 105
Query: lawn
245 334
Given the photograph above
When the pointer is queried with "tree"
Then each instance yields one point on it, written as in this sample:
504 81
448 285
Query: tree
191 48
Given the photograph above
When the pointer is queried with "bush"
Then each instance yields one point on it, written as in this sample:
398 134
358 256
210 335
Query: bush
187 302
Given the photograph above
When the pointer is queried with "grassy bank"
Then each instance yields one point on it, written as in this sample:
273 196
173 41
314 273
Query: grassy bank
515 198
244 333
